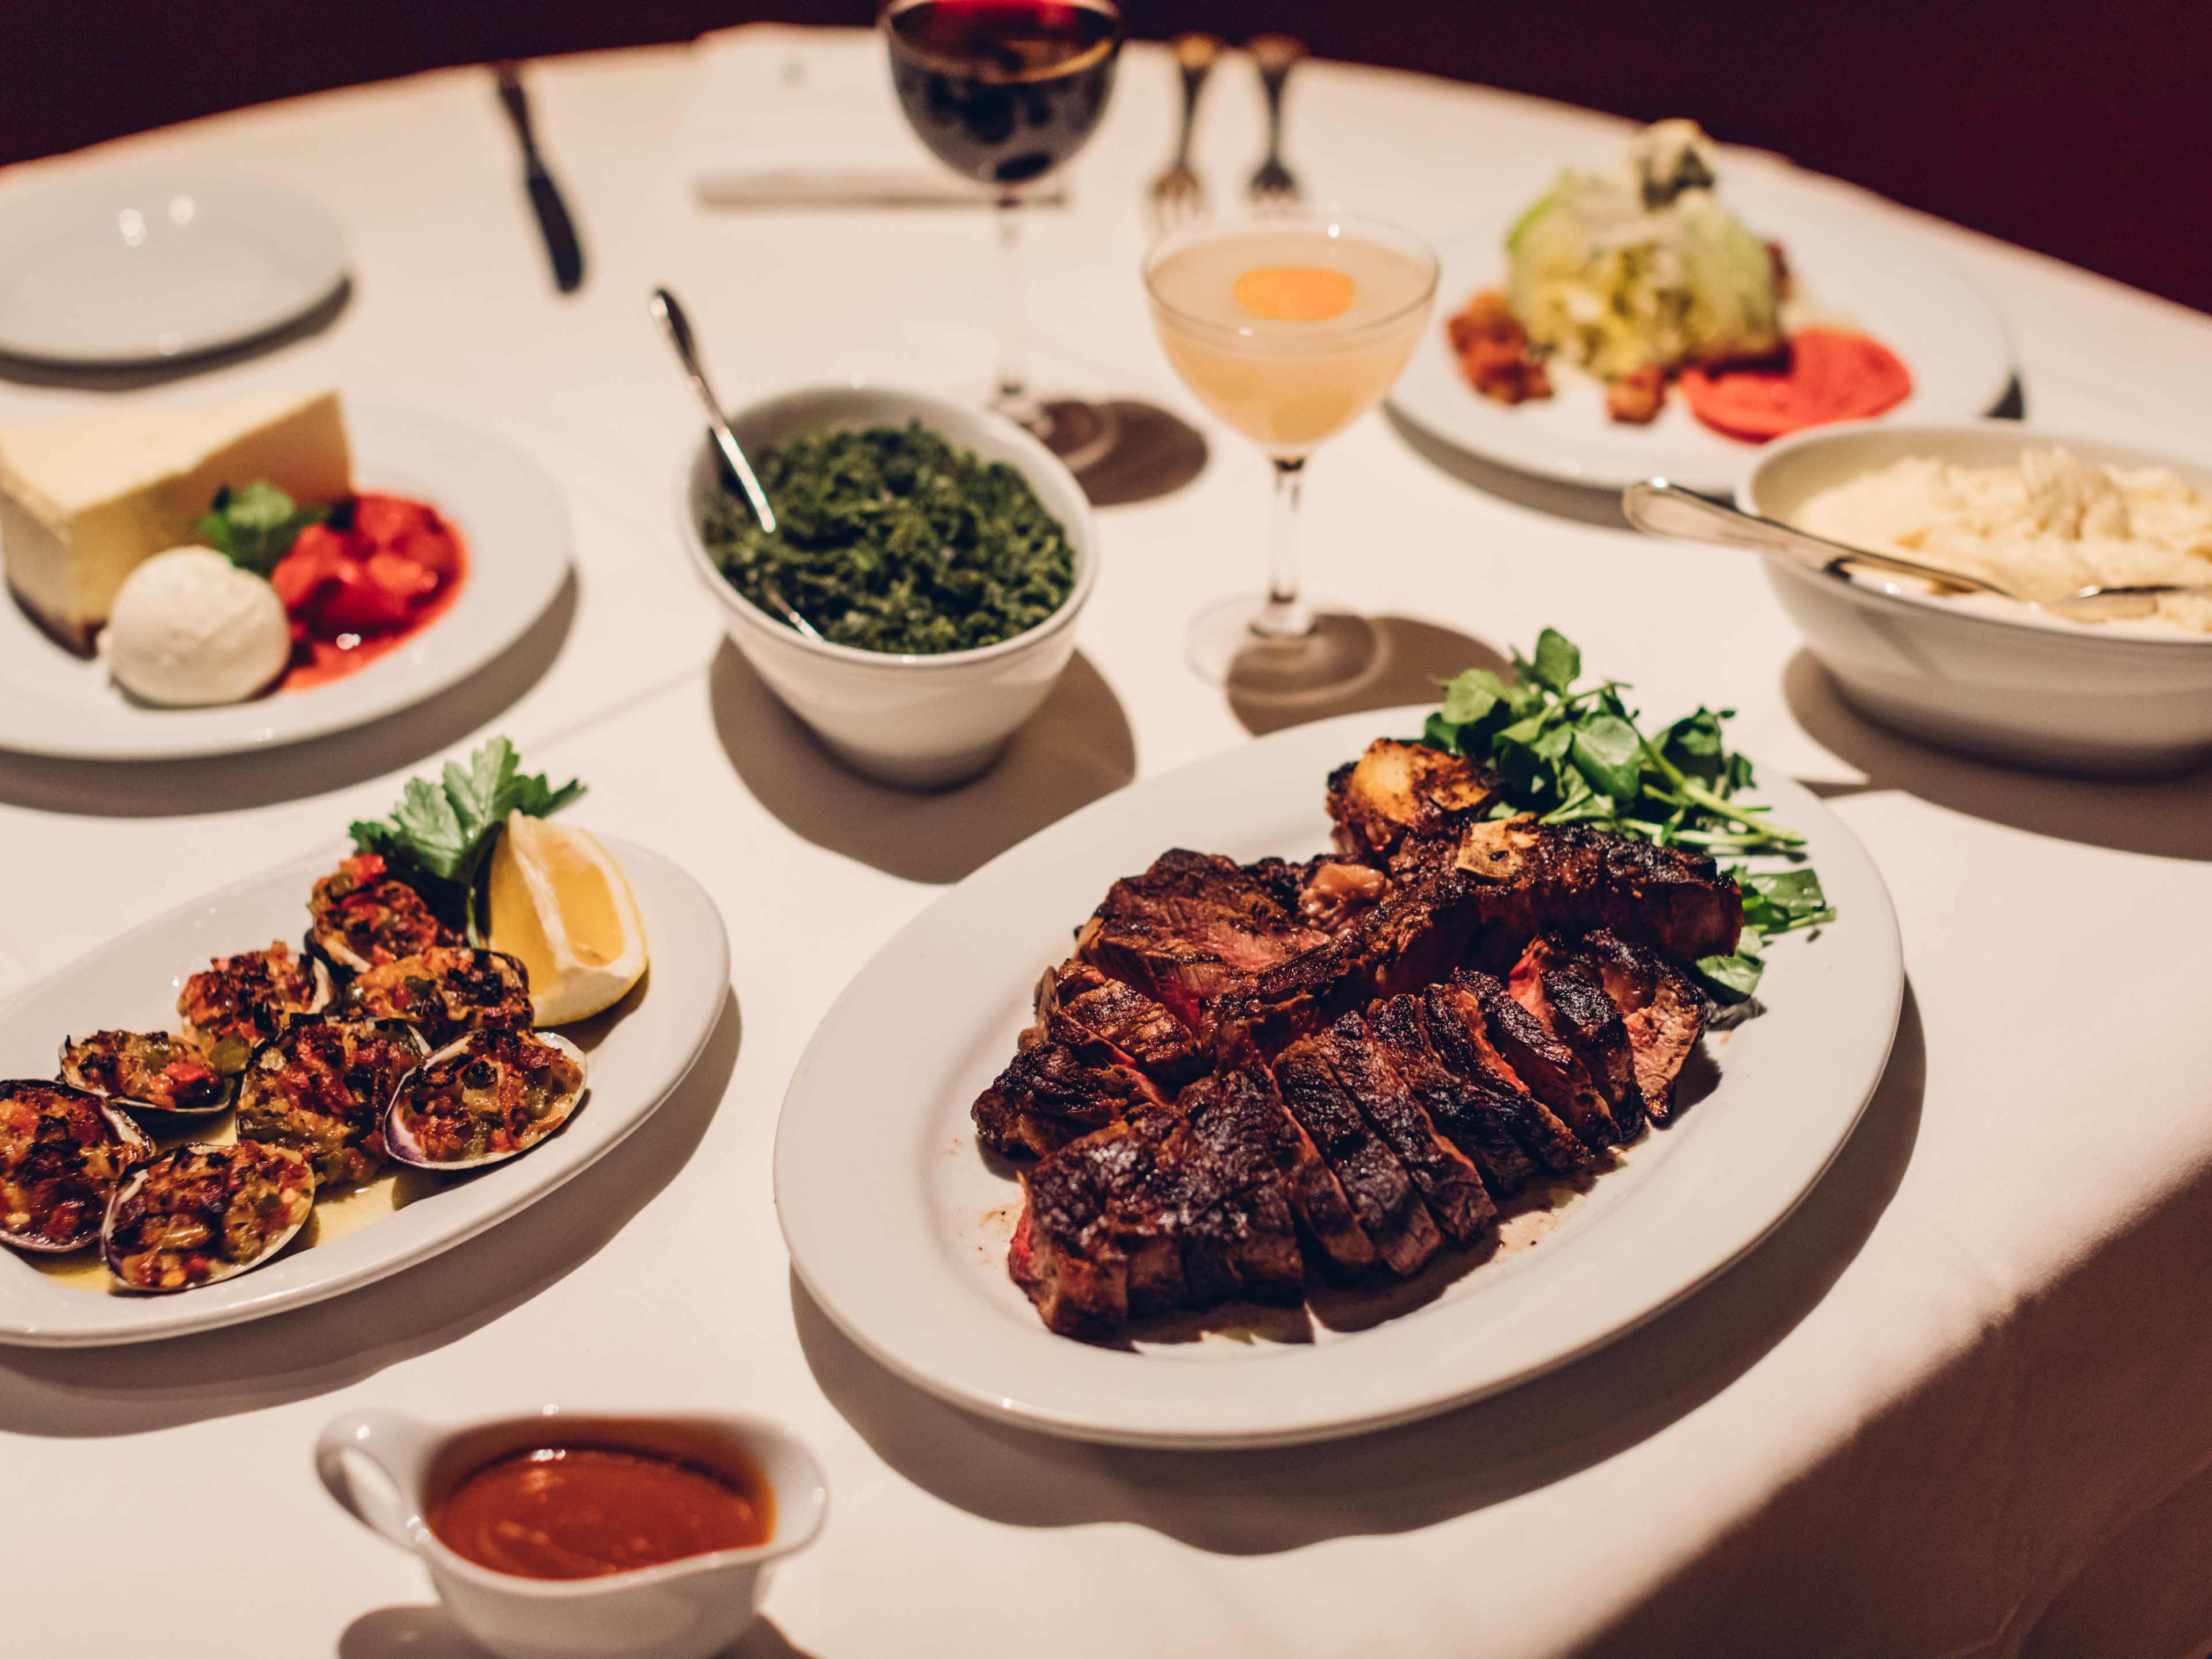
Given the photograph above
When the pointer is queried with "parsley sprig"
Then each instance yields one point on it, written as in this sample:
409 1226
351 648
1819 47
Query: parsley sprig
440 837
1578 755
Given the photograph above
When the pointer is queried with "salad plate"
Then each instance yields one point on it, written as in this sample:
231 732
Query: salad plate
512 519
1851 267
123 269
639 1052
899 1229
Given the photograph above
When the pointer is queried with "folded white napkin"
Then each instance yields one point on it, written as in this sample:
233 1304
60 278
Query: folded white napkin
795 116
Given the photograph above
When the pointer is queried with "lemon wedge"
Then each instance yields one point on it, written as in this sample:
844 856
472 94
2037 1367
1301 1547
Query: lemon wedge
559 904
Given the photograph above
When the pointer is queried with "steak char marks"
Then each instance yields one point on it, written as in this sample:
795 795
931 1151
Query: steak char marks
1249 1072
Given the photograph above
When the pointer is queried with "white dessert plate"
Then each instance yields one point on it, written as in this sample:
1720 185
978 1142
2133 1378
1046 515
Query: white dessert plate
898 1226
127 268
515 529
638 1052
1852 265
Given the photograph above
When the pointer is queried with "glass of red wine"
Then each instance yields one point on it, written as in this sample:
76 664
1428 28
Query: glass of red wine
1003 91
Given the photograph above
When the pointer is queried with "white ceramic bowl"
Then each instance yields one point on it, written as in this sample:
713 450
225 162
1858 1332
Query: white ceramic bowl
915 721
684 1609
2016 687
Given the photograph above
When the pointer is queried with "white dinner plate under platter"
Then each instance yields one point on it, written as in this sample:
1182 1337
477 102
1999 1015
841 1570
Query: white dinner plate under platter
515 528
638 1054
1855 267
125 269
898 1226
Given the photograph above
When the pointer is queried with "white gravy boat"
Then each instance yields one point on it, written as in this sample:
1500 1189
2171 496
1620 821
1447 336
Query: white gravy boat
684 1609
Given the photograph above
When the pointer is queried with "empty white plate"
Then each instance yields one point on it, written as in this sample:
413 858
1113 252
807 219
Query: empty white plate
122 269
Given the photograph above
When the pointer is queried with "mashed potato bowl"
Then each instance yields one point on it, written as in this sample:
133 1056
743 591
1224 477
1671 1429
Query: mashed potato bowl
2006 683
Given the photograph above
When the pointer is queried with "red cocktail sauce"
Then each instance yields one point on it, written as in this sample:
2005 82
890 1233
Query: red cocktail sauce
584 1512
365 585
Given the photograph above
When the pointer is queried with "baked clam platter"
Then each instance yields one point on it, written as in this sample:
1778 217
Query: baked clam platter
342 1066
1372 1067
215 577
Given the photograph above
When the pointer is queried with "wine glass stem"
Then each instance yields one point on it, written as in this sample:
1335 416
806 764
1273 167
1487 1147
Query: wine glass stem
1285 616
1013 398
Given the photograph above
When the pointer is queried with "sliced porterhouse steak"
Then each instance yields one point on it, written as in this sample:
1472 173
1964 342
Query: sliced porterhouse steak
1571 878
1446 1179
1410 939
1461 1033
1241 1117
1541 1061
1248 1241
1188 929
1660 1006
1138 1217
1574 1008
1466 1108
1051 1092
1139 1029
1383 1195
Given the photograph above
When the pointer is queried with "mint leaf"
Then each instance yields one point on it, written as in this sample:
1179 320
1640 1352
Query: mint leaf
255 526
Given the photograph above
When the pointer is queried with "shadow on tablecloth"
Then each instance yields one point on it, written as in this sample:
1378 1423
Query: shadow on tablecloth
428 1631
227 783
1413 659
1075 748
1262 1502
2169 818
316 1350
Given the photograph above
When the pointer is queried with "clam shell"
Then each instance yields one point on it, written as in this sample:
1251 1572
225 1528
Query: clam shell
130 1103
137 1178
399 1137
325 993
140 1145
249 1080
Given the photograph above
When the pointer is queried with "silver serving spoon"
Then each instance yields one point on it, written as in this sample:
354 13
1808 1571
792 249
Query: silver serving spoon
1660 508
669 314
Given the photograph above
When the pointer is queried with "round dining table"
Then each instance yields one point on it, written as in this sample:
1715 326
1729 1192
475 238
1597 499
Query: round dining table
1954 1405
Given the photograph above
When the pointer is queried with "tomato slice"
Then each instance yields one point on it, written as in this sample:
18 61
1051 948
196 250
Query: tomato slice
1832 375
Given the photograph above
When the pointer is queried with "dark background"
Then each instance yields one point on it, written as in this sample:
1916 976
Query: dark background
2081 130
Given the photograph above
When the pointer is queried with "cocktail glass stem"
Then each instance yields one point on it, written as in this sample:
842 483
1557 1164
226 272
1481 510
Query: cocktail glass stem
1013 398
1285 616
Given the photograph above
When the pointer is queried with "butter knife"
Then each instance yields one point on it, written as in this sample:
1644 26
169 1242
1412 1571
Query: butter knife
553 221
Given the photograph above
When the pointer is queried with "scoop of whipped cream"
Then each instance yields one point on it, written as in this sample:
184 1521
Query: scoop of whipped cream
190 628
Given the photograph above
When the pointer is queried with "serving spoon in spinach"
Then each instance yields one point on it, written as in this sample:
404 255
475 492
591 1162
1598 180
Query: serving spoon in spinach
668 312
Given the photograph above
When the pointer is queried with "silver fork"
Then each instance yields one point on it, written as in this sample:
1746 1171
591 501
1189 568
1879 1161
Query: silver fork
1178 194
1275 55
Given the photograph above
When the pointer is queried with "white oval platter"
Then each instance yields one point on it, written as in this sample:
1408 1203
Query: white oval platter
898 1226
638 1054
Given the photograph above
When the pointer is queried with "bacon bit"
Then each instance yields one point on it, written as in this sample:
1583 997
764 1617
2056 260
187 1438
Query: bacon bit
1493 352
1637 397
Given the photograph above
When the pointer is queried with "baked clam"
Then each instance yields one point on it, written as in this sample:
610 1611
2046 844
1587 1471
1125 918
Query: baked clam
444 991
236 1002
360 917
321 1086
199 1214
489 1096
63 1151
152 1070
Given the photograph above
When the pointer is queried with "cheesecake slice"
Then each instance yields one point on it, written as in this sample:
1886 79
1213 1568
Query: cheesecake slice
82 502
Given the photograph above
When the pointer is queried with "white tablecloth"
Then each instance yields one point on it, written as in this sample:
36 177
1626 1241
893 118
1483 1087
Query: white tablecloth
1955 1406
